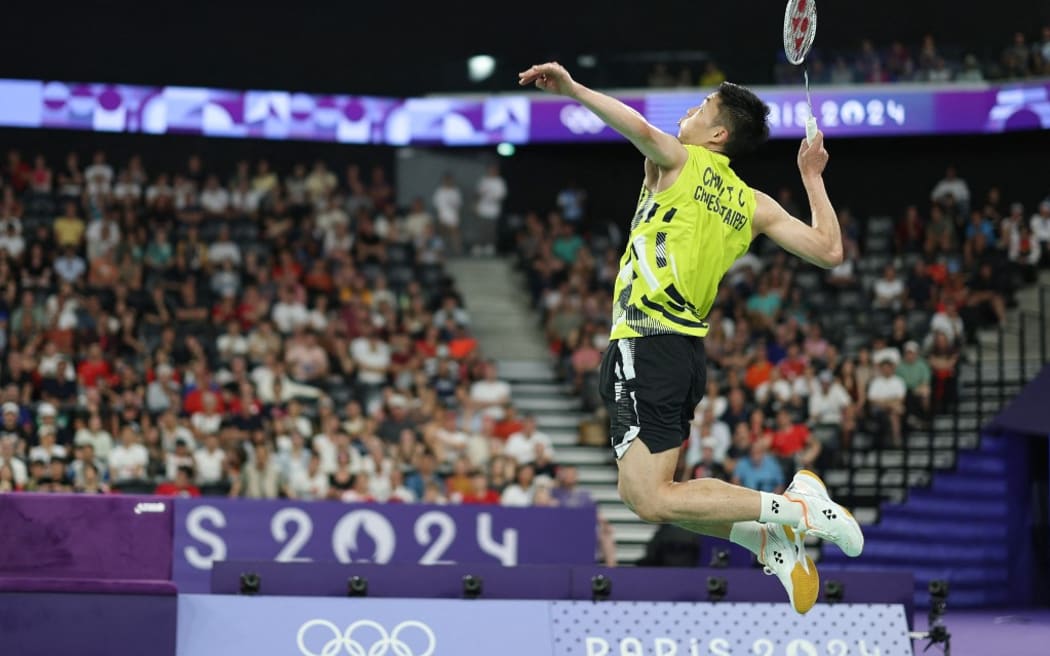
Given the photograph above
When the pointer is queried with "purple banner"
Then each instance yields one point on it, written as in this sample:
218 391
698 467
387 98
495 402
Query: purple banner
209 530
866 110
85 537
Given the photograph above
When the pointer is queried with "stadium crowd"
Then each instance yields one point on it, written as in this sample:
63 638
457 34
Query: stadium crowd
1025 55
249 333
803 362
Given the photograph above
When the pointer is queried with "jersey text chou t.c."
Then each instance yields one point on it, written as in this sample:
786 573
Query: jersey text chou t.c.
682 241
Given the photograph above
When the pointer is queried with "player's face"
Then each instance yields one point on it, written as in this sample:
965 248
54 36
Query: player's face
696 125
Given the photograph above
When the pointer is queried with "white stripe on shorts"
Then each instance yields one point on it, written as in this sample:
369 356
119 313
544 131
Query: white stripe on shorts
626 347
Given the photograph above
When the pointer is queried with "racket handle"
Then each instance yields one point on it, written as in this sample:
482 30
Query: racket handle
811 129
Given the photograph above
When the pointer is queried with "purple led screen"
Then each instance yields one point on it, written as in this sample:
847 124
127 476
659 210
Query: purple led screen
871 111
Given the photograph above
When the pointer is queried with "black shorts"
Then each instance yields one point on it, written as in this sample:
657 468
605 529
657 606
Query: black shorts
650 386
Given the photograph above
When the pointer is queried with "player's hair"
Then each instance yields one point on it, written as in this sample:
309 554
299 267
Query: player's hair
744 115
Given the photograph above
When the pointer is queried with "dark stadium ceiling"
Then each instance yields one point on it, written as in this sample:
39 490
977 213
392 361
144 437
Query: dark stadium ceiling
396 47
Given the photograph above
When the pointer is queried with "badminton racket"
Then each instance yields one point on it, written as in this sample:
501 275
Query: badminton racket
800 28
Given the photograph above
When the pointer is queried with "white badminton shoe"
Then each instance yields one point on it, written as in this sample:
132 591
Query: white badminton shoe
822 517
784 555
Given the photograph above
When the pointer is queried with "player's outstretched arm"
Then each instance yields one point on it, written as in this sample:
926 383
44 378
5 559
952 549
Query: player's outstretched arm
661 148
820 243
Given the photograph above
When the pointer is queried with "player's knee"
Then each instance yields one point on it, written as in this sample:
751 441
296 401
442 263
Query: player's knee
653 511
650 506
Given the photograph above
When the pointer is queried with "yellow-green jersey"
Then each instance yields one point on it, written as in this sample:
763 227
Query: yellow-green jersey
683 240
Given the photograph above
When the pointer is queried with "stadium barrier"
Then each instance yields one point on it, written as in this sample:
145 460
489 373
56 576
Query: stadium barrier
218 625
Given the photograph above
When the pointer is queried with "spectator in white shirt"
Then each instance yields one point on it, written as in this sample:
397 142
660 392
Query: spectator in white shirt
953 186
708 432
334 215
947 321
490 394
1040 225
210 461
208 420
417 221
289 313
129 459
160 194
70 267
7 457
448 201
886 394
888 290
310 483
828 401
171 432
232 343
1025 253
99 176
371 355
244 200
95 435
48 448
450 309
102 236
520 492
491 191
11 240
338 242
530 446
127 190
224 248
214 200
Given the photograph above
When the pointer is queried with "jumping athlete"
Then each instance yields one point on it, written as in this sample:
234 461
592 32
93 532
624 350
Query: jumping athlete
694 219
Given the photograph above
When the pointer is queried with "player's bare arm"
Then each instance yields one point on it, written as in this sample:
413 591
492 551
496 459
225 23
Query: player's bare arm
819 243
662 149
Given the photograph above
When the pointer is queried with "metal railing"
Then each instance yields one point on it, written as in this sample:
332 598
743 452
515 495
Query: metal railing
1027 360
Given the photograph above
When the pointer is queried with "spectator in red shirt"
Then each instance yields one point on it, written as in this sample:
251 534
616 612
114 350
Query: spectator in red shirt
759 369
481 493
94 367
194 401
182 486
509 425
794 362
794 445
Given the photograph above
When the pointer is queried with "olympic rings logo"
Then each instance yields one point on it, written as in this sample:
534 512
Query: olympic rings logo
580 120
384 644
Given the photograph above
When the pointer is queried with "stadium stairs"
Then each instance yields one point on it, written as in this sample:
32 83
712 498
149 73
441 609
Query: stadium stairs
508 330
919 502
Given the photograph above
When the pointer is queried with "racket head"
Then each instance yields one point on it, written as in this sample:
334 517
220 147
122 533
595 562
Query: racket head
800 28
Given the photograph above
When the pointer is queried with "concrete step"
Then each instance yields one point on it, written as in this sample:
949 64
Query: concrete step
942 459
539 405
581 456
559 420
522 390
636 532
603 493
628 554
606 475
527 371
868 476
561 437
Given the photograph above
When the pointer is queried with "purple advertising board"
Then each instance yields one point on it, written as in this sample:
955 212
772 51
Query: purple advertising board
217 625
209 530
112 537
841 111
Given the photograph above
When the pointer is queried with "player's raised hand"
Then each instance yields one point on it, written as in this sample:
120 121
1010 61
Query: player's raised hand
551 77
812 157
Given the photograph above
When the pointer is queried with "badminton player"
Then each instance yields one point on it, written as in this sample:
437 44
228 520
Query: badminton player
694 218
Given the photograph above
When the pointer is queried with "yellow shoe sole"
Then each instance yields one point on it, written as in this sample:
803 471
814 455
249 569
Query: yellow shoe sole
805 584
